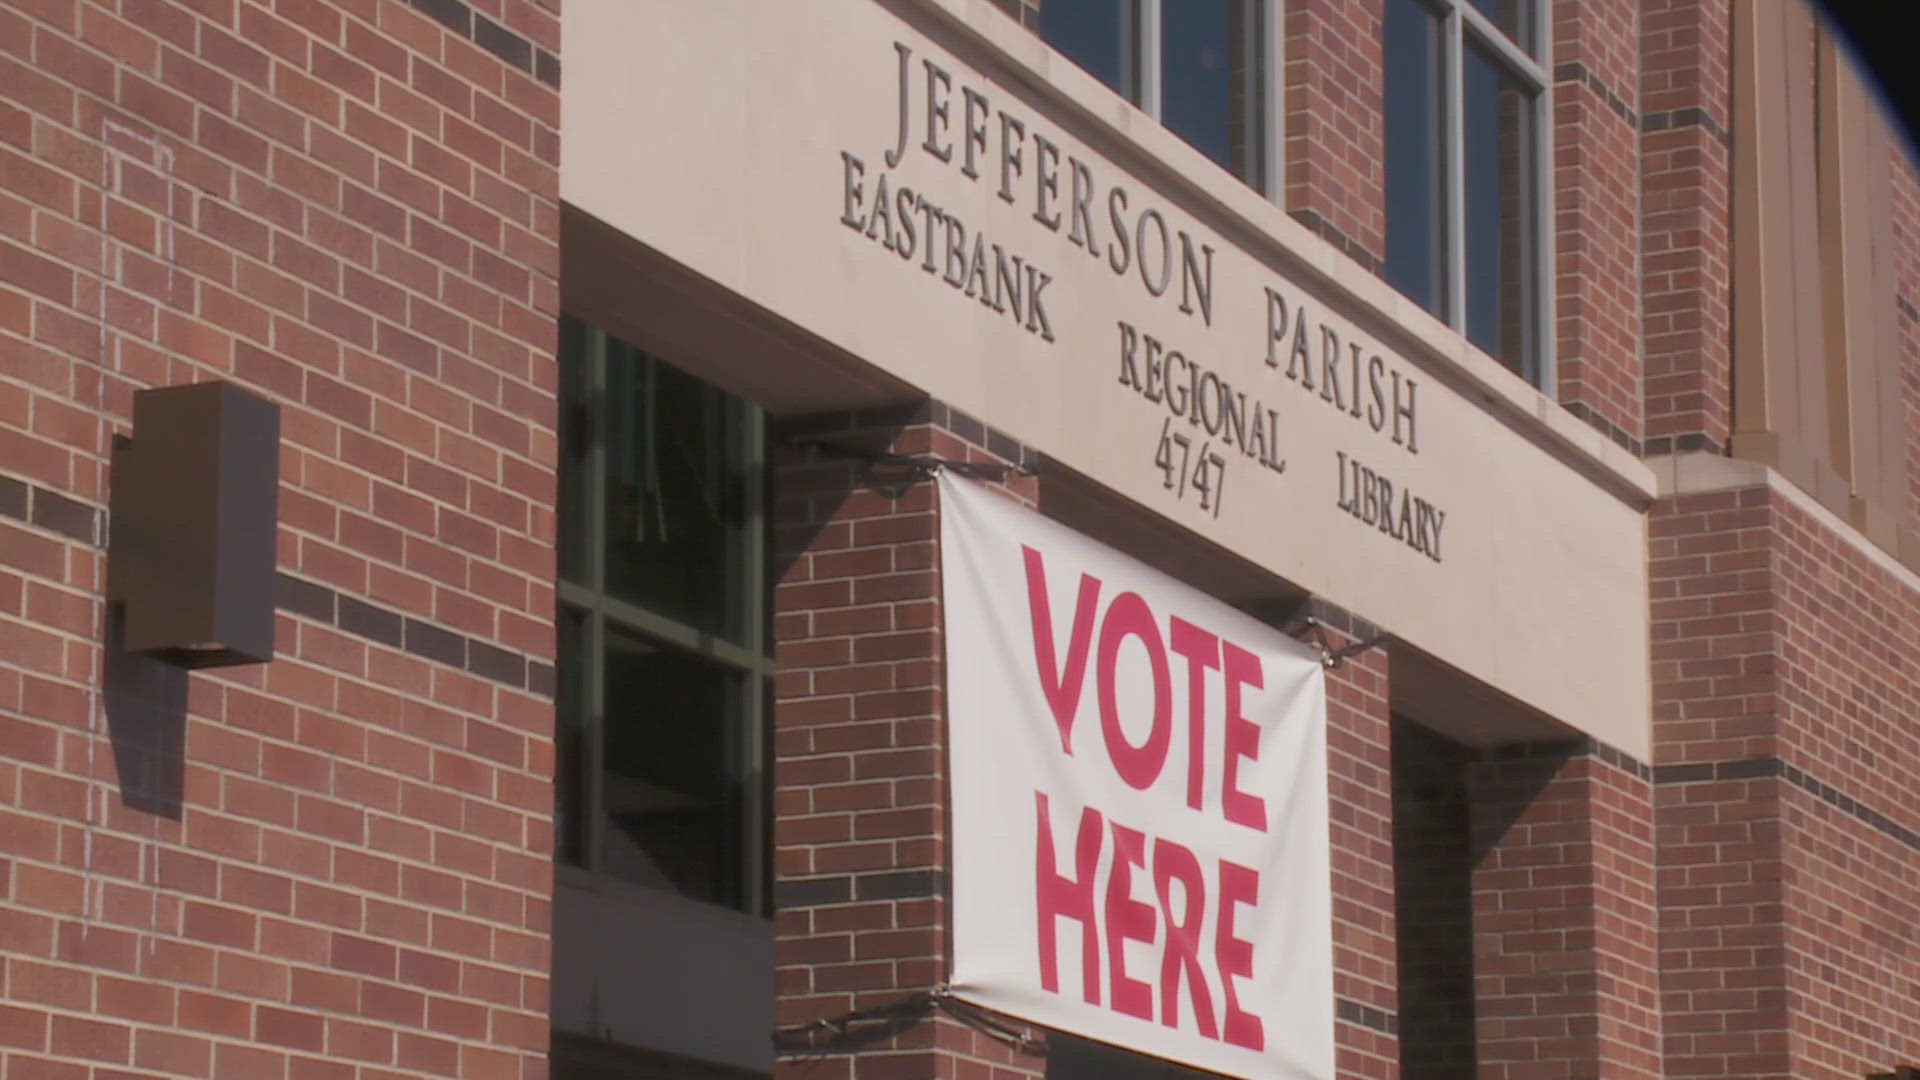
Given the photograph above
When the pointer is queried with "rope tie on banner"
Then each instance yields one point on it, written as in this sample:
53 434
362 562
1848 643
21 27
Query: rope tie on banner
1330 657
853 1031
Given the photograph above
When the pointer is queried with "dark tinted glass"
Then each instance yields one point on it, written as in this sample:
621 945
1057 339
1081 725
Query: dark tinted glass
1513 17
1497 121
1095 34
1416 249
675 492
575 446
1207 53
671 799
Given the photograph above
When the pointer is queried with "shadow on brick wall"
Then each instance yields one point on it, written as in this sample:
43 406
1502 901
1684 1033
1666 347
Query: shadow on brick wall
1433 862
1513 785
820 460
146 705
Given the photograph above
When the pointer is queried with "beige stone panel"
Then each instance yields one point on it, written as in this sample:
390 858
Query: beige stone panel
1540 586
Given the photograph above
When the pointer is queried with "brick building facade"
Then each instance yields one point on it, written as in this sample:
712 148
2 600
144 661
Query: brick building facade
607 727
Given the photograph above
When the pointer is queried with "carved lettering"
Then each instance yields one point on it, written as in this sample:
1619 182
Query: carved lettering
1369 498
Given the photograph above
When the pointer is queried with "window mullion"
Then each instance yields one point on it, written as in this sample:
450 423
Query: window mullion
594 663
1543 268
741 658
1270 63
752 755
1147 48
1511 56
1454 169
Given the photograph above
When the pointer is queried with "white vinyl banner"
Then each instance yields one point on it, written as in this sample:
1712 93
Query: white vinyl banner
1139 802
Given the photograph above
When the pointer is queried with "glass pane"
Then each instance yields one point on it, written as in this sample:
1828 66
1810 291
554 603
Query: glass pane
571 787
1497 121
672 801
1097 35
1209 75
1513 17
1416 230
575 449
676 490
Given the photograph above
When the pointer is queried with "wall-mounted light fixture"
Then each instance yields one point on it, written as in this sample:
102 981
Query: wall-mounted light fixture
195 504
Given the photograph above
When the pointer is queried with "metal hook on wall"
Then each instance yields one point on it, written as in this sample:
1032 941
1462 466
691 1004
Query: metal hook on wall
914 468
1330 657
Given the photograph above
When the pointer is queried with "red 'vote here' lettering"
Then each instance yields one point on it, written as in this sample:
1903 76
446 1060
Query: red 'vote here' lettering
1119 919
1128 615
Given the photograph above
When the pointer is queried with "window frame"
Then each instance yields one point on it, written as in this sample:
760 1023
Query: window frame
748 658
1464 25
1140 83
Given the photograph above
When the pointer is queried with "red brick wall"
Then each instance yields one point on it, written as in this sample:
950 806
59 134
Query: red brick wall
1851 832
1564 952
1626 959
1723 993
1360 788
1787 845
860 832
1685 232
1335 156
1596 213
1723 990
336 861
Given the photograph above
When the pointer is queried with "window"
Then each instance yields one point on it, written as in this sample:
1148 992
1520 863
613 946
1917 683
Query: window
1200 66
1466 171
662 661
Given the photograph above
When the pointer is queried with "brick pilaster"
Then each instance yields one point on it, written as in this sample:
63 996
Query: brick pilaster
1335 154
1723 987
860 754
1564 952
1596 213
1360 790
1685 230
